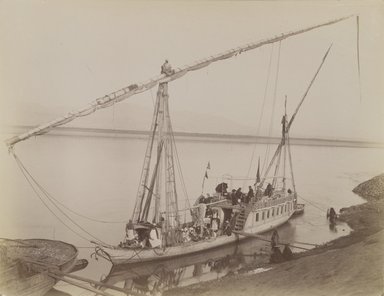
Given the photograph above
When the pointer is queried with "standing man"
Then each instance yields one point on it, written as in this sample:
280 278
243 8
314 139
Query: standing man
250 194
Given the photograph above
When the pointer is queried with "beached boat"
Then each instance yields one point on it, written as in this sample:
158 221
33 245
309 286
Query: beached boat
23 264
157 229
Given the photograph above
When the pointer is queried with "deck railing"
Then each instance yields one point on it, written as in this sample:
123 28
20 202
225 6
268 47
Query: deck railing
272 202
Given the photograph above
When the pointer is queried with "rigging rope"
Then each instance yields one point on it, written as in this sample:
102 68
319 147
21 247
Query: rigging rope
358 52
179 167
273 109
53 213
74 212
262 110
312 204
30 178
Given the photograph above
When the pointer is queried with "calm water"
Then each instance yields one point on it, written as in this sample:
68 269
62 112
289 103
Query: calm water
98 177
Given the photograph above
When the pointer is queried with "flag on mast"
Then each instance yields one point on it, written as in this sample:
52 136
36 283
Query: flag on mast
258 172
205 176
208 168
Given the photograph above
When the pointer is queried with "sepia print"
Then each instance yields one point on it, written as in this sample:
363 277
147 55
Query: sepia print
191 148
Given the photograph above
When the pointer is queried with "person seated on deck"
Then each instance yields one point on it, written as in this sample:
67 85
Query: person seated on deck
259 193
239 195
208 212
227 228
199 224
154 238
289 191
222 189
208 199
269 190
129 230
233 197
215 224
143 236
131 238
185 234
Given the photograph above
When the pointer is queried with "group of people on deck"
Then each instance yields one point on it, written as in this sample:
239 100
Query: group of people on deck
208 221
237 197
143 237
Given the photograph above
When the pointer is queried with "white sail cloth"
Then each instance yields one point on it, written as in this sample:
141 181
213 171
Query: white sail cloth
133 89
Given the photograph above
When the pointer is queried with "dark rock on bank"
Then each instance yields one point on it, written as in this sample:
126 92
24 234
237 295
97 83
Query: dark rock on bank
372 189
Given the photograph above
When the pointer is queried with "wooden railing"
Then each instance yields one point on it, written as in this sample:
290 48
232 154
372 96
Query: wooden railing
272 202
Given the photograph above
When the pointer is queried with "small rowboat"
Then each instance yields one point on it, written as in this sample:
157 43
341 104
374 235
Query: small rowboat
20 261
299 209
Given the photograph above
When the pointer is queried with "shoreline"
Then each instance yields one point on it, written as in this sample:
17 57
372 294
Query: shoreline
348 265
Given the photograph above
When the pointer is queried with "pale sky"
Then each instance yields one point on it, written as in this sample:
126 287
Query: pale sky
57 56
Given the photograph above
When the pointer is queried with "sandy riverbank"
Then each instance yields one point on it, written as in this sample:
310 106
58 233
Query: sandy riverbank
351 265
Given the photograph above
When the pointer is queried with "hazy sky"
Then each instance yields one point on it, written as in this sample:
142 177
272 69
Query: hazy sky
56 56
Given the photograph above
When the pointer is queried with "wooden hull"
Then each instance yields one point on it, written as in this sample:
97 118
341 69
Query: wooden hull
19 278
125 255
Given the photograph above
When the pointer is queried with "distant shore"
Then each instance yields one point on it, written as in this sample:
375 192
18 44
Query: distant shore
198 137
349 265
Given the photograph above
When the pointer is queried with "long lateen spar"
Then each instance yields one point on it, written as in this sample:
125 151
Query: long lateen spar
126 92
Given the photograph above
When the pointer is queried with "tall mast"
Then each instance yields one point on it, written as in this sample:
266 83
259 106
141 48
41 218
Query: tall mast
162 131
285 142
147 161
170 185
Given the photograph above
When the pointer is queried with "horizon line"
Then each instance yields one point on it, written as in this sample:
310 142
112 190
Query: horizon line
212 137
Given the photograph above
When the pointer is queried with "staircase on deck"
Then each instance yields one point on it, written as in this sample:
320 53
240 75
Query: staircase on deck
242 218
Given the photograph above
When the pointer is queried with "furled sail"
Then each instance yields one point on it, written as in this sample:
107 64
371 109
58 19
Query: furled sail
126 92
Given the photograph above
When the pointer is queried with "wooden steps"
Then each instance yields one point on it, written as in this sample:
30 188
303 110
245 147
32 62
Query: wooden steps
242 218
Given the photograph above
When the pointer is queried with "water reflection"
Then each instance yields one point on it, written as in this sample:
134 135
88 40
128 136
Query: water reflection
154 278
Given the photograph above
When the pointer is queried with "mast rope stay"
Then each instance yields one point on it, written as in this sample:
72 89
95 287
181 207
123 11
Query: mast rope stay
358 52
266 155
68 208
178 166
262 110
31 180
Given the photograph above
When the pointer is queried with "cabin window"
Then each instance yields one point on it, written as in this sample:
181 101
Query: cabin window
257 217
281 211
273 212
263 216
267 214
277 211
285 207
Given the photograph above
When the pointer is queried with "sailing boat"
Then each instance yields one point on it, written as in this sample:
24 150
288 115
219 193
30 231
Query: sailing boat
156 230
271 207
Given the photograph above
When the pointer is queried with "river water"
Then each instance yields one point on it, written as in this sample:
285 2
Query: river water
98 177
